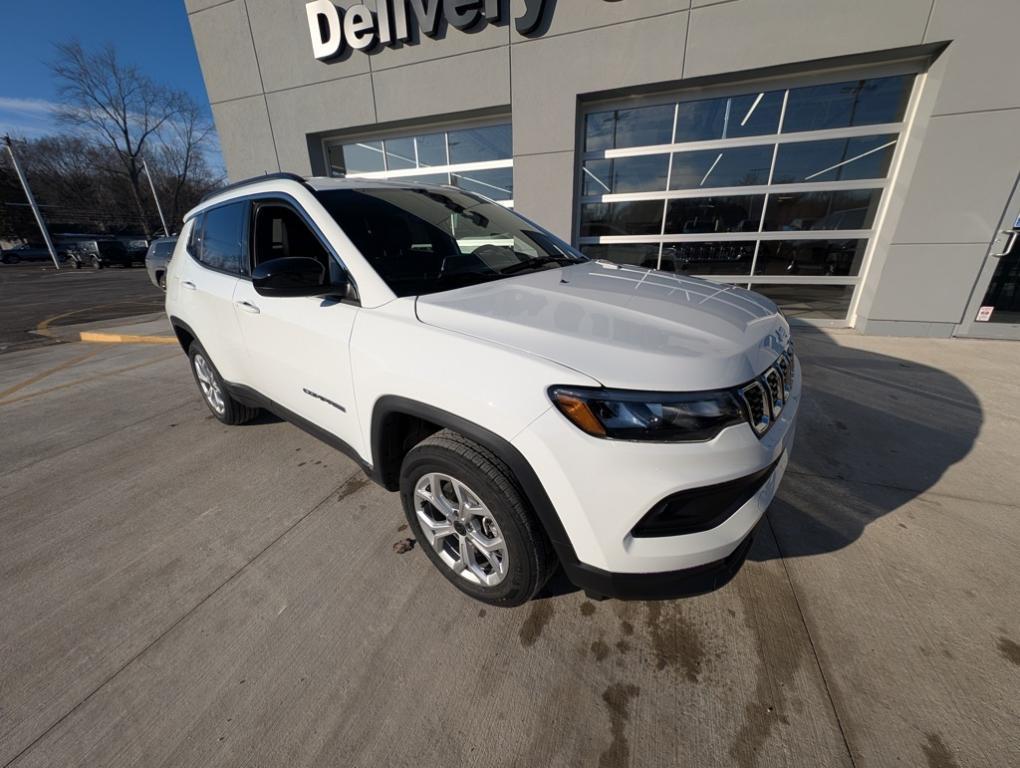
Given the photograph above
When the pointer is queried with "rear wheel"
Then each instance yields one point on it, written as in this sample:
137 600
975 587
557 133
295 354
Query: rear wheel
161 280
464 506
223 406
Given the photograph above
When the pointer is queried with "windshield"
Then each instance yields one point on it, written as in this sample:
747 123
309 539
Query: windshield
423 240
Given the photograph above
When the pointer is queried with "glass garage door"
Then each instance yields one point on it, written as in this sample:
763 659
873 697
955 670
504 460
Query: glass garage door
776 189
477 159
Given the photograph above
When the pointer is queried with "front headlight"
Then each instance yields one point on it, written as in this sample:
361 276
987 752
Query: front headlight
665 417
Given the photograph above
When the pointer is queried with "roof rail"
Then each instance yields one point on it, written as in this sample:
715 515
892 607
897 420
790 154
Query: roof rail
254 180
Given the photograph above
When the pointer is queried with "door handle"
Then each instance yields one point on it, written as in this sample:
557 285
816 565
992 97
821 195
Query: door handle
247 306
1010 242
188 284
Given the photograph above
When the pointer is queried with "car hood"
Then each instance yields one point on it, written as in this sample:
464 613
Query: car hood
626 327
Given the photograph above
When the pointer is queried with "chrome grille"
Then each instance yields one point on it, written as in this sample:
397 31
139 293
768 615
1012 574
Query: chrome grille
785 366
766 396
757 402
774 383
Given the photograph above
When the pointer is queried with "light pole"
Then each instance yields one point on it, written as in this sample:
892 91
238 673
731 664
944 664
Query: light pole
159 208
31 202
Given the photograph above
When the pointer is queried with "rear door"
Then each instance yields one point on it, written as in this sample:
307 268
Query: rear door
298 348
206 283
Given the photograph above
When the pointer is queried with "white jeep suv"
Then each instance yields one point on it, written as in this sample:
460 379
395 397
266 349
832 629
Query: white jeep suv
531 406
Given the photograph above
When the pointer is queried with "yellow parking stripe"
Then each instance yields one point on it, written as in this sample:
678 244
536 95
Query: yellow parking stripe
124 338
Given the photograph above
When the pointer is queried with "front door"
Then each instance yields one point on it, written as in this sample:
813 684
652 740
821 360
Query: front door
994 310
298 348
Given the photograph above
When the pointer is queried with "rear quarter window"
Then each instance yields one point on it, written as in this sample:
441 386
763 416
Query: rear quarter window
217 238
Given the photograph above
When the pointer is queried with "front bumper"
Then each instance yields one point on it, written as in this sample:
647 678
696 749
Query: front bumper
601 490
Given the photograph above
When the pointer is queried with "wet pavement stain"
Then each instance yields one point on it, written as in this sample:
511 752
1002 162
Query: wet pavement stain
675 642
627 628
1010 650
404 545
777 662
481 613
622 646
538 616
587 608
402 527
937 753
352 486
599 650
617 698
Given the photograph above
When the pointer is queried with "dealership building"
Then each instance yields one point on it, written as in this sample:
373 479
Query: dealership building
855 161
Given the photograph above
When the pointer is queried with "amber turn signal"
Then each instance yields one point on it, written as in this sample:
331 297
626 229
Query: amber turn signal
577 411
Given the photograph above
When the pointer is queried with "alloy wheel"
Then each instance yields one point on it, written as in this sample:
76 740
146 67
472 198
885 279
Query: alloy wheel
461 529
210 386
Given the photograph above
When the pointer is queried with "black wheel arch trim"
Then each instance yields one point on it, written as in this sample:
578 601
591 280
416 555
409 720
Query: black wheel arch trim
394 405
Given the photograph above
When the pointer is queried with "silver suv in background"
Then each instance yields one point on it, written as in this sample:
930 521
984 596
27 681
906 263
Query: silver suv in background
156 259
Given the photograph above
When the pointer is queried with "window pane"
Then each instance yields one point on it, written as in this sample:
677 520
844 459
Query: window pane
854 209
222 237
811 301
643 217
837 258
641 254
867 157
714 214
335 159
475 145
708 258
363 157
838 105
626 174
399 154
729 168
638 127
431 149
497 183
750 115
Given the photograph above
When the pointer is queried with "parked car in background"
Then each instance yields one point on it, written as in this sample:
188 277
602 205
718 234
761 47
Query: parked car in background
156 259
137 247
109 253
26 252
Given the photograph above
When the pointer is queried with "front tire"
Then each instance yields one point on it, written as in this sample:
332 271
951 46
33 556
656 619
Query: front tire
214 393
464 507
97 263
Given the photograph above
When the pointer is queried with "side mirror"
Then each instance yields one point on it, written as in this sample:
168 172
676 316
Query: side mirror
291 276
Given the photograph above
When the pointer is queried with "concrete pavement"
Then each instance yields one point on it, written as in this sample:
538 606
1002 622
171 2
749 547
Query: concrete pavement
177 592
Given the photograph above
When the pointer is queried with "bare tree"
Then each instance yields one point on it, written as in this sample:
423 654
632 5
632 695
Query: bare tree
180 157
118 103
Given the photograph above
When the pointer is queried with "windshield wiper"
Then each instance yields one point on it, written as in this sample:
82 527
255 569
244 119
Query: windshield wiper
538 261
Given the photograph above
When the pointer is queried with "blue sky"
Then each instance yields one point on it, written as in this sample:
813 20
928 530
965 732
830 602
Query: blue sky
153 34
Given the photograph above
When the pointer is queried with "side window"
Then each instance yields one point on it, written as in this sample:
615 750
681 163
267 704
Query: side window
280 232
219 239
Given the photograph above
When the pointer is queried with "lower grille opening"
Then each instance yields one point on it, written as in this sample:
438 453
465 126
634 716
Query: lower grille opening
701 509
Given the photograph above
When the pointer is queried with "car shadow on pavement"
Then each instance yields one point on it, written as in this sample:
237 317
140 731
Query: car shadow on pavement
873 433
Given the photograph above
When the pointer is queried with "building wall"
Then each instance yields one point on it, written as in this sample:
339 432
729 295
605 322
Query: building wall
272 103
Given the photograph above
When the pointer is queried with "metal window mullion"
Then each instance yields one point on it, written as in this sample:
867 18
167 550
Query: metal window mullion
483 165
750 189
849 132
669 180
771 180
726 237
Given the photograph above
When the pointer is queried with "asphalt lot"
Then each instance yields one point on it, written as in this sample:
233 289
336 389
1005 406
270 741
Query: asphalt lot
176 592
34 295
